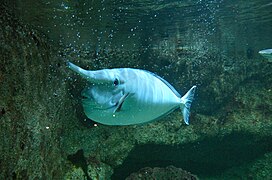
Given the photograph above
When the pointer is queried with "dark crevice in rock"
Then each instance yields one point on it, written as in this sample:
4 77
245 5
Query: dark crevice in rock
19 175
206 158
250 53
79 160
22 146
2 112
14 176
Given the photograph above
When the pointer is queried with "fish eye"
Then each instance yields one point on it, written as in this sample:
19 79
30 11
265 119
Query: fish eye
116 82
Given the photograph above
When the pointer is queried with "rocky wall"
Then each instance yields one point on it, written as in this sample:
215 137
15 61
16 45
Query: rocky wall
31 101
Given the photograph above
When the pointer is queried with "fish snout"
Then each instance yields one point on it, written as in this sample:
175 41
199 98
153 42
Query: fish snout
84 97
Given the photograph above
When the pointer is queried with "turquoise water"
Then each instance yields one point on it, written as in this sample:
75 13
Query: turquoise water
213 44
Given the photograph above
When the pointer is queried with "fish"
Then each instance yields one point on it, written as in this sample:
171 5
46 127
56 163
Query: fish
266 53
128 96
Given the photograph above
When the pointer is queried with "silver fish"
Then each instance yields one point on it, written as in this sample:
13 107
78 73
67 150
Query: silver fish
125 96
266 53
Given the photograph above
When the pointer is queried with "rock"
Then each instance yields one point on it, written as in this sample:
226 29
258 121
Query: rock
30 128
76 173
169 172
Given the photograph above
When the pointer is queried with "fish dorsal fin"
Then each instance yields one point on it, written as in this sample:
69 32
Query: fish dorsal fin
165 82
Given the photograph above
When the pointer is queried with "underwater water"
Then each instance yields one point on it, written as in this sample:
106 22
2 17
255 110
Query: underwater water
213 44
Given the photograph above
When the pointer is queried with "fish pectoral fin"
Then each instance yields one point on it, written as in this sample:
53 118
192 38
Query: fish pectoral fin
120 103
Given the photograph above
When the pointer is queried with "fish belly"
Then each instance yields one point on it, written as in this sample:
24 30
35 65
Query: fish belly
131 113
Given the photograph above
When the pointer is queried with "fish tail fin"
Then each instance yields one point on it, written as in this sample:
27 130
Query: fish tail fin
186 102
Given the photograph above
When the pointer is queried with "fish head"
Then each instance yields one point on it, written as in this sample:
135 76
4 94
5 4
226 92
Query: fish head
266 53
101 96
105 87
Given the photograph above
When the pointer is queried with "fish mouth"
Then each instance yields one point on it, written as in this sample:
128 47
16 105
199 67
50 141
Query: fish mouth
84 97
91 104
100 99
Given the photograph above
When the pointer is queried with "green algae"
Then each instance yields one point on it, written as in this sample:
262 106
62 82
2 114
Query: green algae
76 173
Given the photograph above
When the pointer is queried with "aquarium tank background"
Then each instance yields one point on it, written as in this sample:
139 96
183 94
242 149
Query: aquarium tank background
213 44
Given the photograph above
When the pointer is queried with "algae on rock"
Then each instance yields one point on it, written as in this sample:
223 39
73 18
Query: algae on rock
33 94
